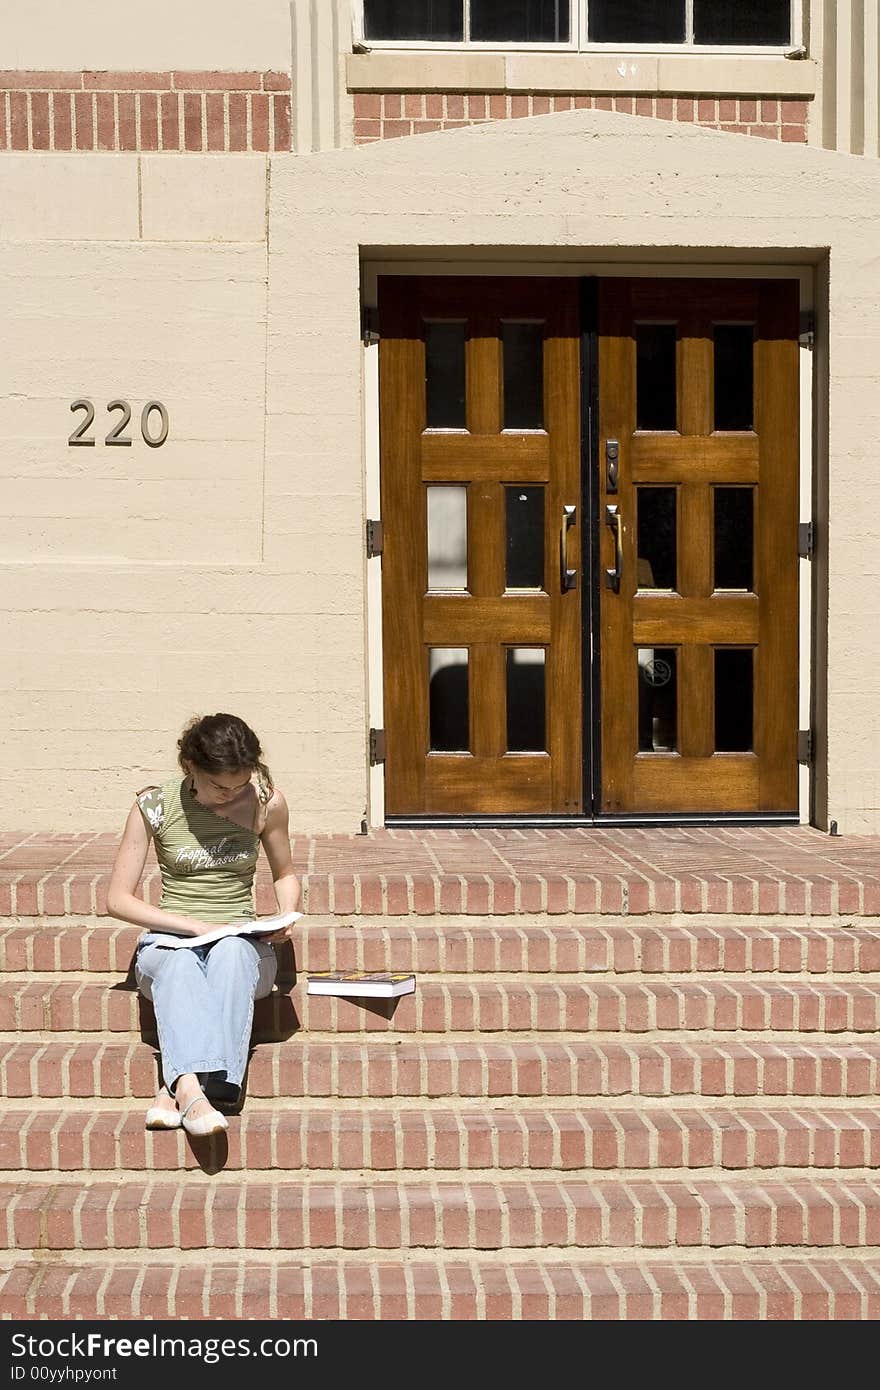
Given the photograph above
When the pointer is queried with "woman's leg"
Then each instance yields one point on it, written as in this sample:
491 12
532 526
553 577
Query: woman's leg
191 1038
237 972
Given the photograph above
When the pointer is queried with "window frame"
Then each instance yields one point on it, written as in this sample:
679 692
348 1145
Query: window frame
578 42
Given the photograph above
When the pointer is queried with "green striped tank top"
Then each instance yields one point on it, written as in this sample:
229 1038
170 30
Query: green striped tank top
207 862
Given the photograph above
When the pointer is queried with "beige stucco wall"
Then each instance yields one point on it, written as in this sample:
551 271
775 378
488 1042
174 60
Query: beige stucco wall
146 35
138 585
109 646
844 39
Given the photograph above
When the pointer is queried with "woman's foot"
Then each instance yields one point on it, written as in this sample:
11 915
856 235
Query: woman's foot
197 1114
163 1113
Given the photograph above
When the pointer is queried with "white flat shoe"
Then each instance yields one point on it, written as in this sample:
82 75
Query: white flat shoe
203 1125
159 1117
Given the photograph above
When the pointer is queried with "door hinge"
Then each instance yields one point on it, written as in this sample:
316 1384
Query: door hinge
375 539
807 331
806 539
369 324
805 746
377 747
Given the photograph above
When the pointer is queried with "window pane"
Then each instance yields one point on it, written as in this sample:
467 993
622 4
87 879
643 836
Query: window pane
447 538
734 376
636 21
520 21
444 375
734 699
656 567
523 345
745 21
414 19
524 550
448 699
525 700
655 376
734 538
658 700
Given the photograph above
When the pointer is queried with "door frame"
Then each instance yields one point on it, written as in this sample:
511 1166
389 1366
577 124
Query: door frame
589 272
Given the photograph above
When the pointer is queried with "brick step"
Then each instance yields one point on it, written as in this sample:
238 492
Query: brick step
536 1286
791 870
228 1213
492 946
86 1004
386 1067
443 1139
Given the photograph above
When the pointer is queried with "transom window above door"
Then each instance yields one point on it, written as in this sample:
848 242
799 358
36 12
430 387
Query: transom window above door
583 24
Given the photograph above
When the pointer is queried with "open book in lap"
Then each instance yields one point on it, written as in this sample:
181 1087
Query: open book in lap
265 926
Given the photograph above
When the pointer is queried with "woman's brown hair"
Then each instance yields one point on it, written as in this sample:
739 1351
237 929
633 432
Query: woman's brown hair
224 743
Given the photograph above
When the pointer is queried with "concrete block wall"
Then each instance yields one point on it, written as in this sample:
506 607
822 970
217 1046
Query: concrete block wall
143 585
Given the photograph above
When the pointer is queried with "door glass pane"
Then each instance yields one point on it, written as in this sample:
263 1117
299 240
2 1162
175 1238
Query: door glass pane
734 376
444 375
734 538
745 21
414 19
658 699
524 548
523 345
734 699
525 700
520 21
636 21
655 376
448 699
447 538
655 507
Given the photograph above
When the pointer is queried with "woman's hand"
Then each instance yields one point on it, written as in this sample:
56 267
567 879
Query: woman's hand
285 934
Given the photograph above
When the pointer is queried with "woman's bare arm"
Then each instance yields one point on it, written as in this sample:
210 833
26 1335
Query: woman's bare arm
122 899
275 840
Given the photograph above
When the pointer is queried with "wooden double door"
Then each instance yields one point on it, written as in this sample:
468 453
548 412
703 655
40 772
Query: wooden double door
589 566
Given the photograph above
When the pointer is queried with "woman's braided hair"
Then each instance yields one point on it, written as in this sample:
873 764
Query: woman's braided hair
224 743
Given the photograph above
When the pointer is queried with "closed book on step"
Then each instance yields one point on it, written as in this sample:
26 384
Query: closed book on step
360 984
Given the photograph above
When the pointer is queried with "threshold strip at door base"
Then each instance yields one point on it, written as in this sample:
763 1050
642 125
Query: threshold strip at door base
631 818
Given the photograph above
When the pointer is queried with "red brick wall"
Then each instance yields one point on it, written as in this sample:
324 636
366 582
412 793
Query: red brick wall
180 111
379 116
232 111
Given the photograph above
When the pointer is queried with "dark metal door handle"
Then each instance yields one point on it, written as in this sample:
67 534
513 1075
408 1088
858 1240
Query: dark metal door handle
612 464
567 577
613 519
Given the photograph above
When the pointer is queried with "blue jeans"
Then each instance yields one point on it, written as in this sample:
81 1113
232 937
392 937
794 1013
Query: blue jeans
203 998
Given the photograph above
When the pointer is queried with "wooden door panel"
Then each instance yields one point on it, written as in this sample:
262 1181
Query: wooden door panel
662 622
479 783
689 783
485 620
486 458
719 459
777 423
488 619
692 636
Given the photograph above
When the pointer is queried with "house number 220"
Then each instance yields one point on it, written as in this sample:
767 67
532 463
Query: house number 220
153 435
